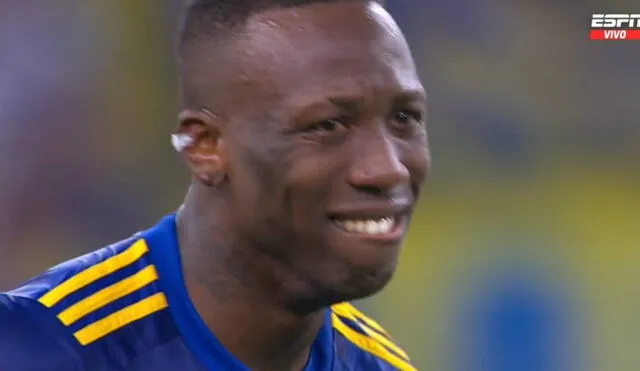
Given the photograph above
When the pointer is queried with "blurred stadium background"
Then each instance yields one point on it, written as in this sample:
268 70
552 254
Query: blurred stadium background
524 254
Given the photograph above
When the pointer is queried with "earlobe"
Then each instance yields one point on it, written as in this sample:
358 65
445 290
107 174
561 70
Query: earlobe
199 139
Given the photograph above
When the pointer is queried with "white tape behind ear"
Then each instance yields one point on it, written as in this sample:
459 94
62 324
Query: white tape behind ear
181 141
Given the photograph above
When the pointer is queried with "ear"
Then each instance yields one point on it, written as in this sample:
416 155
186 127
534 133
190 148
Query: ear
199 138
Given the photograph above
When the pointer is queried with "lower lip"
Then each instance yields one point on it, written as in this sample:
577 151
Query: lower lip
394 235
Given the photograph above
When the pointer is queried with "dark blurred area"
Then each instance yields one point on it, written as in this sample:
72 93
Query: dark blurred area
524 254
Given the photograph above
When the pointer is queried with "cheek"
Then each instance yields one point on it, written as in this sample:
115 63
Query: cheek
254 163
255 186
311 179
417 158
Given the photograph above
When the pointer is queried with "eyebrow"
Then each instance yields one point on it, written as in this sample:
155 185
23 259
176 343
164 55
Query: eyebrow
352 102
410 96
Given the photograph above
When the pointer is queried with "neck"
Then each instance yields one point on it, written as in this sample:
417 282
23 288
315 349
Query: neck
229 287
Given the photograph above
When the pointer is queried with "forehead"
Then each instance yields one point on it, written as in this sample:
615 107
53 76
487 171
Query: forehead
343 46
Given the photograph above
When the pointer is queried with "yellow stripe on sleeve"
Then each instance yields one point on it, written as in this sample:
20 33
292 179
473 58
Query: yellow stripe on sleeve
121 318
347 307
108 295
94 273
370 345
343 310
385 341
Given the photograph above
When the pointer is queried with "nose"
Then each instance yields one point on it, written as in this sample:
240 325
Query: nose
377 166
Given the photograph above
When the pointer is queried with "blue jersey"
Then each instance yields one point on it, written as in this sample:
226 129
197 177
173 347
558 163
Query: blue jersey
125 308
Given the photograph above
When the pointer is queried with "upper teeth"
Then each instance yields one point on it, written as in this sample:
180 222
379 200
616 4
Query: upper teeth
368 226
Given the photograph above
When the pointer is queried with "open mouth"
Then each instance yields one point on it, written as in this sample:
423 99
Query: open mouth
372 227
373 222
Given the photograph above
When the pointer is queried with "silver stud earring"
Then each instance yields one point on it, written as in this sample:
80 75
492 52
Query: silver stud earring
181 141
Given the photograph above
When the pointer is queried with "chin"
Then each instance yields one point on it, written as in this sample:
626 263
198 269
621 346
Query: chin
365 283
333 287
359 283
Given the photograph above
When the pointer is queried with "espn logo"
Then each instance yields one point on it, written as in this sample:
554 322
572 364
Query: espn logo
615 27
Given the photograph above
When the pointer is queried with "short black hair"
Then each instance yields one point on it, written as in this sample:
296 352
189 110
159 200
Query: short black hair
218 21
215 18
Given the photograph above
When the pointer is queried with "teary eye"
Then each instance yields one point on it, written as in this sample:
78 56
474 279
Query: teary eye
408 116
407 122
330 125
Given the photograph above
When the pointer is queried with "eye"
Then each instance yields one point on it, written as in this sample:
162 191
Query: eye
408 116
407 121
330 125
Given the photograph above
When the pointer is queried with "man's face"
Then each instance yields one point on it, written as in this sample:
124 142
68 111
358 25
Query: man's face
326 145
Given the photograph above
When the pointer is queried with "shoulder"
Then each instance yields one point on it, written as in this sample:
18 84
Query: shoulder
57 283
84 306
27 329
363 344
